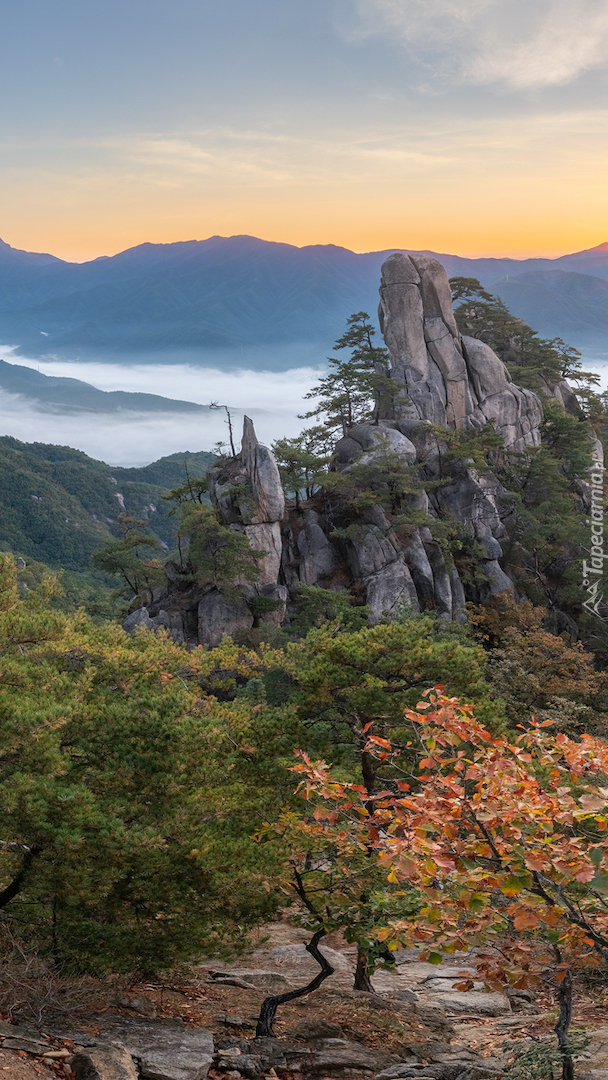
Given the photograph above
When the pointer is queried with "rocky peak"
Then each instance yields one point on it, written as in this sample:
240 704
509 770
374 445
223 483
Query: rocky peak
443 380
446 379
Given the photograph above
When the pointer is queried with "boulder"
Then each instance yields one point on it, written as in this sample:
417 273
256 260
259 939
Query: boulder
104 1062
263 473
218 616
142 1005
340 1057
370 552
137 620
389 590
499 581
420 570
477 1002
164 1050
384 441
318 559
266 537
298 956
409 1070
29 1044
450 380
315 1030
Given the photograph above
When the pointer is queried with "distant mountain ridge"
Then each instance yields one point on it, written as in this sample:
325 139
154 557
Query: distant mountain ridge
218 296
53 394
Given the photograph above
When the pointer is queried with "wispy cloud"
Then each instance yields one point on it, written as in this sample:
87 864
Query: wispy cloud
510 42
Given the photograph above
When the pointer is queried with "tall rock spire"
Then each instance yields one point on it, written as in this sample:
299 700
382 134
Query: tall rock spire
447 379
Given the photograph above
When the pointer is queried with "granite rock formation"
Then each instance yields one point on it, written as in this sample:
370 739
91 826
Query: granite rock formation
447 379
443 380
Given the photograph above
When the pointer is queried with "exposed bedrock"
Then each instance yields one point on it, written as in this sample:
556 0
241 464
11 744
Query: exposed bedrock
443 379
447 379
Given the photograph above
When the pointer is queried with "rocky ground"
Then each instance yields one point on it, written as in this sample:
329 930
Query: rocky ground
416 1026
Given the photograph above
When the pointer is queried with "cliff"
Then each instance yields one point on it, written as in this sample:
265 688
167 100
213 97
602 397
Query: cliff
443 382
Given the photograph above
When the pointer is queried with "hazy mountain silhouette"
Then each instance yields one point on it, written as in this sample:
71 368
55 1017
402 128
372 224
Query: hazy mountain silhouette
226 294
74 396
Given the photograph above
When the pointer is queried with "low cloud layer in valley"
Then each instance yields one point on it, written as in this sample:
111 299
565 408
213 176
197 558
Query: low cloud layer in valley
272 399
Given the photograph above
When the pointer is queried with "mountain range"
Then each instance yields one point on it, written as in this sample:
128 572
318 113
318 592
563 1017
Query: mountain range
241 301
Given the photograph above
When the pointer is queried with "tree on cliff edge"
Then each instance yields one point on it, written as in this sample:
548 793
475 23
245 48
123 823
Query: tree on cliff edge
356 389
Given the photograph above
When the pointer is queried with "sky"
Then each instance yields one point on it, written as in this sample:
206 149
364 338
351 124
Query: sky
478 127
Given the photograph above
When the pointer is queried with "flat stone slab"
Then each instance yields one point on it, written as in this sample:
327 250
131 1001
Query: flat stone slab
297 955
165 1051
412 1071
336 1056
19 1031
474 1001
30 1046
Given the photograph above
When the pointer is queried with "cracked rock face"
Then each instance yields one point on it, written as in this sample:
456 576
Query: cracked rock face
442 379
447 379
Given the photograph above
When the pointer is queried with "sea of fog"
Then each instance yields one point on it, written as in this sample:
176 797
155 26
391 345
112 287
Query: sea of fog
272 399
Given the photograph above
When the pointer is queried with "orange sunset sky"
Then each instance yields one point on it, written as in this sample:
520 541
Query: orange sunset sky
478 127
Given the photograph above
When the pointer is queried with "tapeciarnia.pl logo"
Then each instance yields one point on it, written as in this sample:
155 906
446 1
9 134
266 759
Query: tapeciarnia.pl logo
593 570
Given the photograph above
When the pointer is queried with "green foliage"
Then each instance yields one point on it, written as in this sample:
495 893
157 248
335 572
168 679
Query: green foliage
168 472
534 362
538 673
59 506
86 589
356 389
463 448
217 556
548 530
132 558
128 795
303 461
316 606
386 480
369 676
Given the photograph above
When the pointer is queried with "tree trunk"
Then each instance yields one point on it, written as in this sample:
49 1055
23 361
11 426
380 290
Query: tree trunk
271 1004
362 979
563 1023
16 884
369 767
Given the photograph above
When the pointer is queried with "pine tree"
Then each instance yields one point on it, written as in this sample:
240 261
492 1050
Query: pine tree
357 389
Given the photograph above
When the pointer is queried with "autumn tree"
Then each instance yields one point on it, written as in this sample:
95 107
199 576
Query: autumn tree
537 671
504 840
345 681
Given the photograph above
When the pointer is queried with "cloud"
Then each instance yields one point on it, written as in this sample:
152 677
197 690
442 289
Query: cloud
513 42
272 399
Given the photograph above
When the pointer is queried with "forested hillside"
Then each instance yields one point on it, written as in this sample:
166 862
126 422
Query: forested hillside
395 595
58 506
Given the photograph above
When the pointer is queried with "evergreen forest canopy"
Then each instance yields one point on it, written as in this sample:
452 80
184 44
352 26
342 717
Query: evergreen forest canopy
150 809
